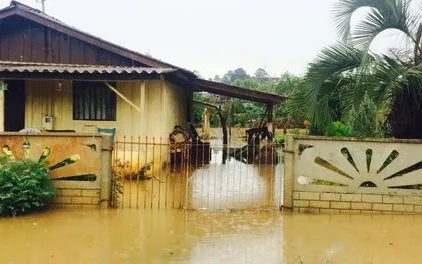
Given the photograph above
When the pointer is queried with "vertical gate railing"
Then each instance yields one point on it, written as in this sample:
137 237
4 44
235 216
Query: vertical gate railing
154 173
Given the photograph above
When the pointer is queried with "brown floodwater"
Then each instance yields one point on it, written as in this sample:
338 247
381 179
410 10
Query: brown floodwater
178 236
232 185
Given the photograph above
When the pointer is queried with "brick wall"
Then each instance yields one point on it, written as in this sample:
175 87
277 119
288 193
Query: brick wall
77 198
320 202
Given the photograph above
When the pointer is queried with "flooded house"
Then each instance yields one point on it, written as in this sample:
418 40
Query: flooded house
59 80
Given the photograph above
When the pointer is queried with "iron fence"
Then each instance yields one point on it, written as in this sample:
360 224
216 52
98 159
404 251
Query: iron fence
155 173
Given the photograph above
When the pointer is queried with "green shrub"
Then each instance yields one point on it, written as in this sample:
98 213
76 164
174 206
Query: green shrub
280 138
25 186
363 120
337 129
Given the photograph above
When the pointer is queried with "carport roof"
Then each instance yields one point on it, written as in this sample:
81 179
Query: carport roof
237 92
33 70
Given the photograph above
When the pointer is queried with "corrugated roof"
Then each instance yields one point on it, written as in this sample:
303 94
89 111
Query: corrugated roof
32 67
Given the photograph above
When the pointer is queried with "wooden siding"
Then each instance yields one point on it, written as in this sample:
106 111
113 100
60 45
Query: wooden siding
163 105
24 40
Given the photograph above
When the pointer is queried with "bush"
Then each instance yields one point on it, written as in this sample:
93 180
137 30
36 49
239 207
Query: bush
280 138
337 129
25 186
363 120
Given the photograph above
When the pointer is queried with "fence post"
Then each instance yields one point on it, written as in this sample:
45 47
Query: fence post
288 172
106 173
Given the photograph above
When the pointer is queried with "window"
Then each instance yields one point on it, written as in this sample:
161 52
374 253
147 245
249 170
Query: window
93 101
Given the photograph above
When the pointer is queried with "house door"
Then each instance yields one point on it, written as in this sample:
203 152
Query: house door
14 117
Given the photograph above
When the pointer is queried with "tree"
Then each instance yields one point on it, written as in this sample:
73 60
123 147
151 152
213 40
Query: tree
363 119
217 78
240 74
288 84
346 71
261 74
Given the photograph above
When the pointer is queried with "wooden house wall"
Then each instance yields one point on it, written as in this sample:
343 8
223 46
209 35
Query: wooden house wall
24 40
162 104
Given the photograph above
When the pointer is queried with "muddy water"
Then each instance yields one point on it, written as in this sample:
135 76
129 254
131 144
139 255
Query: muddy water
232 185
177 236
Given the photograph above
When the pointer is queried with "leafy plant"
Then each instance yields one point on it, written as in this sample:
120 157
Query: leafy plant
341 74
363 120
337 129
120 170
280 138
25 186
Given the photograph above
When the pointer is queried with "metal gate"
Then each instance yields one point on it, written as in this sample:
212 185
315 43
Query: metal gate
153 173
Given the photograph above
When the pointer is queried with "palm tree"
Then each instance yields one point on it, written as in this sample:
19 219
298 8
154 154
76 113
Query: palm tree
342 74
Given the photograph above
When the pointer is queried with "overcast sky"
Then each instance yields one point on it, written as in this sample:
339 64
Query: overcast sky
210 36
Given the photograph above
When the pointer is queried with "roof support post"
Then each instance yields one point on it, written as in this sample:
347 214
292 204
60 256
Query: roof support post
271 119
206 123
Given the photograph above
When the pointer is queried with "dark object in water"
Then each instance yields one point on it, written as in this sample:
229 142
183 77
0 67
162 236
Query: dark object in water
140 174
186 146
254 151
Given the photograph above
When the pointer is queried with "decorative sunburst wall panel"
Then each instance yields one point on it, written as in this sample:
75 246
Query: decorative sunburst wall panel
357 166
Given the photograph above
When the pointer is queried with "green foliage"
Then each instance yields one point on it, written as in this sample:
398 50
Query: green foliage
338 78
337 129
198 111
296 132
246 113
280 138
25 186
363 120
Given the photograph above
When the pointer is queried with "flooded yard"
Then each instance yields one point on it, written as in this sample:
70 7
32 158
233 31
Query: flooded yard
214 185
178 236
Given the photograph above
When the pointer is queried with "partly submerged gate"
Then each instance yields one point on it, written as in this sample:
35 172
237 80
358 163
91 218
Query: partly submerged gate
152 173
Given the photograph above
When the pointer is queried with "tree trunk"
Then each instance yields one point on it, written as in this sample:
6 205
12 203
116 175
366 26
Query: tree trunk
223 122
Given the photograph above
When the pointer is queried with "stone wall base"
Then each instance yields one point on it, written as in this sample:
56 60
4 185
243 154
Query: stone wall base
315 202
77 198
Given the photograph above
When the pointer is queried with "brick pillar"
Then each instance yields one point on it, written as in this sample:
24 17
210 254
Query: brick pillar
106 174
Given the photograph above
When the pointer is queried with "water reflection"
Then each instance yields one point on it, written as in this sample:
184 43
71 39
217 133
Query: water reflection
234 184
177 236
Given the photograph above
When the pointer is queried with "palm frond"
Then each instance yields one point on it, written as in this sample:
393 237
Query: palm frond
343 11
326 76
381 16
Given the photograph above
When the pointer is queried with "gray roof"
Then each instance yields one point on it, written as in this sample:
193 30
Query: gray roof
33 67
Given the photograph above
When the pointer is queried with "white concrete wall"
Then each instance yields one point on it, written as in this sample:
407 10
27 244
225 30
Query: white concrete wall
321 176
